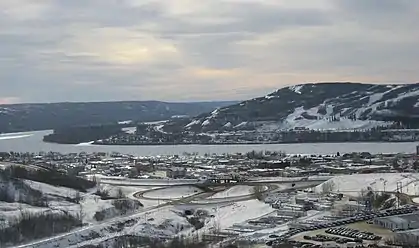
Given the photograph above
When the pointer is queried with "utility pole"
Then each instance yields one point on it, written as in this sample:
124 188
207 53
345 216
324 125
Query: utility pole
399 191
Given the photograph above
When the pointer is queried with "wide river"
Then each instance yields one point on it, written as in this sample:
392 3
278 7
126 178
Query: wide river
32 142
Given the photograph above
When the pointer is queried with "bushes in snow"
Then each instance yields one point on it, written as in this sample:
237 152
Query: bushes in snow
100 215
197 222
50 177
34 226
126 205
120 207
103 193
106 195
258 192
14 190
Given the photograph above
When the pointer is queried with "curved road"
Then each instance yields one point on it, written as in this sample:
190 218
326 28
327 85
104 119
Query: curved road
184 200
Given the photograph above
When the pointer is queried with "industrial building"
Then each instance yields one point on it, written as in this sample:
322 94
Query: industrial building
408 236
399 222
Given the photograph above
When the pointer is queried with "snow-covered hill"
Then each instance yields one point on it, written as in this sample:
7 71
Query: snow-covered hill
45 116
332 106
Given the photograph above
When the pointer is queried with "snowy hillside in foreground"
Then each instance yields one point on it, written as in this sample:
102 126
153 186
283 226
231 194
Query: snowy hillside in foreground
322 106
27 200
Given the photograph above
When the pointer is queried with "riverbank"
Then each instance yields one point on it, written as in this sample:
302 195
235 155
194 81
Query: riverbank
239 143
32 142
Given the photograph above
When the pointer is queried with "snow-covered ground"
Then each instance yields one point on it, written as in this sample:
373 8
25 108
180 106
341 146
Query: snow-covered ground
129 130
241 211
8 137
85 143
126 190
292 179
161 222
239 190
51 190
322 122
175 192
58 200
10 211
145 182
228 214
353 184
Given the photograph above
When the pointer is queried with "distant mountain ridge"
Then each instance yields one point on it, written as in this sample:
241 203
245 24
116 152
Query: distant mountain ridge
314 106
41 116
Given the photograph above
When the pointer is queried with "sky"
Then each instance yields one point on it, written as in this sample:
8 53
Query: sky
199 50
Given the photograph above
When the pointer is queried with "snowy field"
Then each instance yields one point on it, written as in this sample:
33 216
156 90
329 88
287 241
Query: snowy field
239 190
241 211
226 215
175 192
353 184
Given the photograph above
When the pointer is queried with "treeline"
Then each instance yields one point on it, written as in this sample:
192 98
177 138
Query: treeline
29 117
29 226
403 122
80 134
26 194
51 177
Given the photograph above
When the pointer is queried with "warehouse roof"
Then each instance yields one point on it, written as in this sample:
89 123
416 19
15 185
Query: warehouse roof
400 219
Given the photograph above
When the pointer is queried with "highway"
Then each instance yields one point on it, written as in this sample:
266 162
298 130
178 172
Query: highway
191 182
167 184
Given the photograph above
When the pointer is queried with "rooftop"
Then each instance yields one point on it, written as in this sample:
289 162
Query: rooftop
399 219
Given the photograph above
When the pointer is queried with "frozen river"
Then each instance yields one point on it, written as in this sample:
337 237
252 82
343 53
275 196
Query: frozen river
32 142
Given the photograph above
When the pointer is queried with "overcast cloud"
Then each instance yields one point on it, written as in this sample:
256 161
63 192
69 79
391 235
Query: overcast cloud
185 50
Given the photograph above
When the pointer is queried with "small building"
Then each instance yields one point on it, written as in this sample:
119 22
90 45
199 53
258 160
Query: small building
399 222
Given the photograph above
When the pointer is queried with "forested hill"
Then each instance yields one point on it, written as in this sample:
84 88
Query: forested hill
316 106
29 117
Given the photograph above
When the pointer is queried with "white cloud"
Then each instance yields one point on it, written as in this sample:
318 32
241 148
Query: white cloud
208 49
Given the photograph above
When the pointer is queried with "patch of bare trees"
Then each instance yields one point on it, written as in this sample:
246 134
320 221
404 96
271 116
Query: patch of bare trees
328 187
29 226
258 192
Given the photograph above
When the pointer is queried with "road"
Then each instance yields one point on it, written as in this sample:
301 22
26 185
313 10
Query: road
192 182
171 183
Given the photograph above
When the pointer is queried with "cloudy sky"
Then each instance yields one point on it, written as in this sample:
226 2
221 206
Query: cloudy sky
184 50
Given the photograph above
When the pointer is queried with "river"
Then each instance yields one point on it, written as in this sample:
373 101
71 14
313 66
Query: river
32 142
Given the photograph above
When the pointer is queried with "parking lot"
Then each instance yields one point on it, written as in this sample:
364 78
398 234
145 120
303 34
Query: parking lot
354 230
362 227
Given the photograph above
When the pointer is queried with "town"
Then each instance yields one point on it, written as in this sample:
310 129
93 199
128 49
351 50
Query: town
150 135
254 199
193 166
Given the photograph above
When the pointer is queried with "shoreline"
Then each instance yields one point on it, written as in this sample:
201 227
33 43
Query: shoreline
242 144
